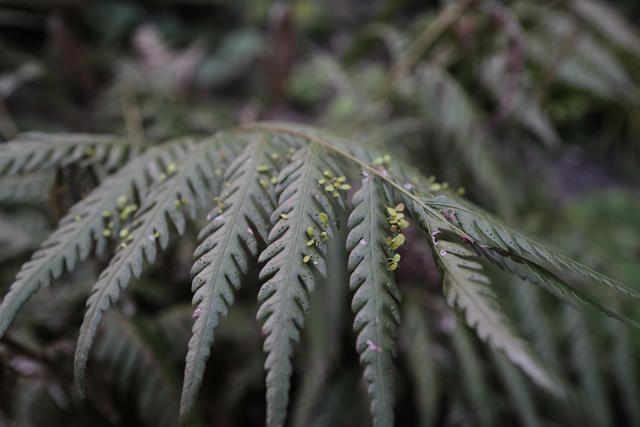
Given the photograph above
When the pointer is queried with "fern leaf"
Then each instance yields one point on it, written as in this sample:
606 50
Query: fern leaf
588 369
477 389
535 323
467 288
288 271
486 230
376 298
322 335
186 187
174 325
34 151
226 249
80 230
131 361
625 369
518 392
608 22
539 276
526 108
21 234
29 189
452 114
419 353
588 65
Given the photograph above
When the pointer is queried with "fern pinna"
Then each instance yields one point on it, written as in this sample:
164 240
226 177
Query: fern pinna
275 194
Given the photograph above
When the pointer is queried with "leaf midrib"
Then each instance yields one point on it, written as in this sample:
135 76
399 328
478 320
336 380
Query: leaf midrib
373 242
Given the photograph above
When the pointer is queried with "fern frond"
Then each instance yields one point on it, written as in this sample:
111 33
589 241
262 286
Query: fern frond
169 182
526 108
468 289
588 65
289 267
34 151
32 404
21 234
174 325
82 229
452 115
227 248
405 179
624 365
539 276
517 390
477 389
419 354
133 363
585 360
535 324
322 335
376 297
486 230
610 24
29 189
189 185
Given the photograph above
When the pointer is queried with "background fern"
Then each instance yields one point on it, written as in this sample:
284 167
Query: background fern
326 251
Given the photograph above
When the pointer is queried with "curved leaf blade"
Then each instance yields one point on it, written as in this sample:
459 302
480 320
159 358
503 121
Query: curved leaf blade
150 227
376 296
287 273
223 256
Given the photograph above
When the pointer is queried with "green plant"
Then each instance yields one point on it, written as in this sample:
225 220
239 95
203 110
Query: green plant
280 195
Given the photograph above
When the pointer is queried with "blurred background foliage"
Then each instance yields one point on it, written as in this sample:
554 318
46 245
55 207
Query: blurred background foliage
531 108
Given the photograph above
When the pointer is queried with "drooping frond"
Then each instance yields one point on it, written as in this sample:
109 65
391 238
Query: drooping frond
523 106
487 230
393 172
321 338
131 361
468 222
416 339
477 390
32 189
517 390
299 225
34 405
174 326
302 221
455 118
605 19
189 185
82 229
588 64
625 369
539 276
468 289
585 360
535 324
34 151
20 234
227 247
376 297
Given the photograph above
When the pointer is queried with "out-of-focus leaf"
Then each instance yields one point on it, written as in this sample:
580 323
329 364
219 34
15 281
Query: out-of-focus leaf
237 51
526 109
577 58
602 17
